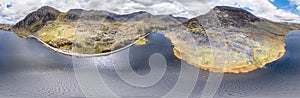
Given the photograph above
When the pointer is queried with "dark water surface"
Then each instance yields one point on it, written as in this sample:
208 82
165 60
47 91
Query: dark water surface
28 69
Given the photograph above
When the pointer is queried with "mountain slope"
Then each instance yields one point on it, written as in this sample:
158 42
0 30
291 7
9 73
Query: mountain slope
36 20
229 39
90 31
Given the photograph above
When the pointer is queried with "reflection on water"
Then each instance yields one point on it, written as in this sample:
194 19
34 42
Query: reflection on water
28 69
290 61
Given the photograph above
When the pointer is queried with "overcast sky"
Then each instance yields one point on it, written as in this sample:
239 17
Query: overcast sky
12 11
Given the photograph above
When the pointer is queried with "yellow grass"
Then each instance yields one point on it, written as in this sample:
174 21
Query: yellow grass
142 42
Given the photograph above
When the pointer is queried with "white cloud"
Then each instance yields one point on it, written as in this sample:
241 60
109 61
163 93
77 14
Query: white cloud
272 0
296 2
261 8
167 7
185 8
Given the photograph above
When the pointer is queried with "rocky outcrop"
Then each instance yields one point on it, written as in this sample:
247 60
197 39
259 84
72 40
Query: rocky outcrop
230 16
59 42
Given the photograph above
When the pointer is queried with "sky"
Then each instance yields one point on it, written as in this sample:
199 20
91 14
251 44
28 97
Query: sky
12 11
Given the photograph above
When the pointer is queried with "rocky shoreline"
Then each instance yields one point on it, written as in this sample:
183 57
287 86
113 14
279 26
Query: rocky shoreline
5 27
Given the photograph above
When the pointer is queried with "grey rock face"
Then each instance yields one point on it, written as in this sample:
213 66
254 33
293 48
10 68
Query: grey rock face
36 20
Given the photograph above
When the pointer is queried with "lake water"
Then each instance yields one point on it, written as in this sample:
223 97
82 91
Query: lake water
28 69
